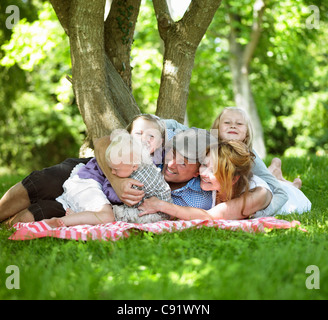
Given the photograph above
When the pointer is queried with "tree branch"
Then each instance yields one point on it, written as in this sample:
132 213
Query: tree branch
86 29
164 20
198 17
258 11
62 9
119 30
181 40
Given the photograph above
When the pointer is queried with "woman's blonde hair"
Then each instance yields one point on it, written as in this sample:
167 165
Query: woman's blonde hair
232 160
249 134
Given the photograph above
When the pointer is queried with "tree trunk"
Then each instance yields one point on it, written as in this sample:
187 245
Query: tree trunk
100 53
181 40
86 30
175 79
104 100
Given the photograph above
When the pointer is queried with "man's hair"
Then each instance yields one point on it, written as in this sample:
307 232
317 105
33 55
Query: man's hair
192 144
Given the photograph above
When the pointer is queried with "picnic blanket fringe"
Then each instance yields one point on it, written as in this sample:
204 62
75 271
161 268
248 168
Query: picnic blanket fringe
118 230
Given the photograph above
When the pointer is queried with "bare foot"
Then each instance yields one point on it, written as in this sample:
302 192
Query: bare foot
297 183
275 168
54 222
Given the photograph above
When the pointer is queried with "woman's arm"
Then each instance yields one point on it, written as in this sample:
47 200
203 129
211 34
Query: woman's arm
280 197
256 200
122 186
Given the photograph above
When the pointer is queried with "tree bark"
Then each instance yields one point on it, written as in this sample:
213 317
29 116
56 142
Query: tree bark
181 40
239 61
104 100
119 29
100 53
244 99
86 35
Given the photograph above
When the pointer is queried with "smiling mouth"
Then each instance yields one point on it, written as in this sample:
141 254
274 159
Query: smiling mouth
169 171
204 180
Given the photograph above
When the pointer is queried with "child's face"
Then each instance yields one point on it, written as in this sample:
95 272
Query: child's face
232 126
148 132
122 170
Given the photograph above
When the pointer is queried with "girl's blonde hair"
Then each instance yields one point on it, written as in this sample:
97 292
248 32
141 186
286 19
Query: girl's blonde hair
232 160
149 117
249 134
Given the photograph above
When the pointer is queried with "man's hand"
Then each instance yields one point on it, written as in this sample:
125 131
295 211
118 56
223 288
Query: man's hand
129 195
122 186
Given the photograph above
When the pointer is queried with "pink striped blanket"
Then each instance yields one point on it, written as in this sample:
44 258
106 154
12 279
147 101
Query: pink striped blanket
117 230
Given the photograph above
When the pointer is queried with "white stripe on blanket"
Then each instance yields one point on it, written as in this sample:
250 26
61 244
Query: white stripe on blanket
117 230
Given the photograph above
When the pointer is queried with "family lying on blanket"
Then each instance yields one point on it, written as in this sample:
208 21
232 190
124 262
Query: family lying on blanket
159 170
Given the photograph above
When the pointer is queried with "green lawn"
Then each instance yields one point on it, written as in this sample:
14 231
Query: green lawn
193 264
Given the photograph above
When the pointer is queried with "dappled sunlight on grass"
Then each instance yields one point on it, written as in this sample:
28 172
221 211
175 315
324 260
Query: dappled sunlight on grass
201 263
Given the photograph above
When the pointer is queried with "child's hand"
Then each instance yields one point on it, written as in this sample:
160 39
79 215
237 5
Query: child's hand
149 206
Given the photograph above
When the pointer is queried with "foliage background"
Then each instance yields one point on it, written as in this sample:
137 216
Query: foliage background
40 123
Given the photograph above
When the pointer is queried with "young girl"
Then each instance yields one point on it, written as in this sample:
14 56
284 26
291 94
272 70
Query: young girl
233 123
227 171
222 123
152 133
88 196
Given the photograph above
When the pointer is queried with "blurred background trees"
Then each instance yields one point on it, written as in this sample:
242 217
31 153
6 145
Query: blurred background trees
40 123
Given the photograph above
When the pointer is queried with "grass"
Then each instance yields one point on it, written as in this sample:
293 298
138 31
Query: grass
192 264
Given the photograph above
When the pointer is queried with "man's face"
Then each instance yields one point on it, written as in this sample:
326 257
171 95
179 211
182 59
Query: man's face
177 169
